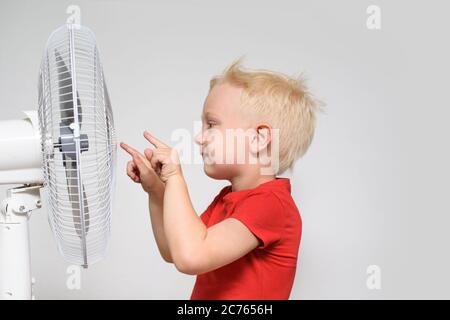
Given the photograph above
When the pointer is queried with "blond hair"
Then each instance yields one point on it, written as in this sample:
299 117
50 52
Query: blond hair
284 102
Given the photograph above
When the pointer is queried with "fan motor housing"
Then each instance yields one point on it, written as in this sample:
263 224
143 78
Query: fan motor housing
22 164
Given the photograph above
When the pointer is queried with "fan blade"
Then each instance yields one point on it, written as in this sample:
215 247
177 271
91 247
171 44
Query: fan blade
65 85
75 193
65 92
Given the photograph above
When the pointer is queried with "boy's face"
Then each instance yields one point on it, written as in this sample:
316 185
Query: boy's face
224 151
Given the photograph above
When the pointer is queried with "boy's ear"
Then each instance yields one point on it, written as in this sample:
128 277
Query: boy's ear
262 138
264 135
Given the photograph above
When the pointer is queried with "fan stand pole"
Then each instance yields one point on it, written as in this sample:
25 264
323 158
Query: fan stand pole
15 264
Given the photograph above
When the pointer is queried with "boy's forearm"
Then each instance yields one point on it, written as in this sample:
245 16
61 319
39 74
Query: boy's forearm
184 229
156 207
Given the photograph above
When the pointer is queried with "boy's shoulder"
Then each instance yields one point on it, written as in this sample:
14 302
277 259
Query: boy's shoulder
275 193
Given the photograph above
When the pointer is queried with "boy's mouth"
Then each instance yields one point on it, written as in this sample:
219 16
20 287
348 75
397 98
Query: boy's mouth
205 155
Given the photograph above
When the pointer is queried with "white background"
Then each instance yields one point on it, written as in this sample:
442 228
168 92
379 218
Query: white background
373 187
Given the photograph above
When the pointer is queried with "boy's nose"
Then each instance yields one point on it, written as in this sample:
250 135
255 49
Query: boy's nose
199 138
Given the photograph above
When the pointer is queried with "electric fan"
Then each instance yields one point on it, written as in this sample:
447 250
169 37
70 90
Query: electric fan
68 146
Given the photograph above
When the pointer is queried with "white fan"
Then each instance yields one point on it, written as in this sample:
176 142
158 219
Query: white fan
69 147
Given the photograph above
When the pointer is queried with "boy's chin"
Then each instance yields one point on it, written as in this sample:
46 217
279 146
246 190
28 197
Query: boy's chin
217 171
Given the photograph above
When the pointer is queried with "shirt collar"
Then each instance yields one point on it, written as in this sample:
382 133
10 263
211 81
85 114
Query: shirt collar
231 196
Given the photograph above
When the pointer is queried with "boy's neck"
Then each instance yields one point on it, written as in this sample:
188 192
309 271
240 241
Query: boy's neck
249 181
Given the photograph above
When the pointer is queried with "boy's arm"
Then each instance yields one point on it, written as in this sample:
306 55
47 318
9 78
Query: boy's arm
155 203
196 249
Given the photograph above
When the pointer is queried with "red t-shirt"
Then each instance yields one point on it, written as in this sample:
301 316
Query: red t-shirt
268 271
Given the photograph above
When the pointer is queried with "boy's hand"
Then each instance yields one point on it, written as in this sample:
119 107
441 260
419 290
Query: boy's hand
140 170
164 160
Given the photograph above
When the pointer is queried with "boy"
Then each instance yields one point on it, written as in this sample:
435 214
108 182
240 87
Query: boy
245 244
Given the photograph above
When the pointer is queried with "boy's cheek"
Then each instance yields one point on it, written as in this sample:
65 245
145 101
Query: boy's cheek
230 154
220 171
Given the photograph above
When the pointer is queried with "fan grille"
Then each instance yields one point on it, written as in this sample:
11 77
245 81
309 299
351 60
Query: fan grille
78 144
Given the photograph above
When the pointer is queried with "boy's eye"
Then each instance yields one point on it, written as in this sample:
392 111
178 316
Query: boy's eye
210 124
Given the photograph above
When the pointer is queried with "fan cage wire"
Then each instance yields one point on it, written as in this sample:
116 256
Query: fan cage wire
79 214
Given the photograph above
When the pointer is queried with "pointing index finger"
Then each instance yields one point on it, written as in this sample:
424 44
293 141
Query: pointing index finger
154 141
140 160
133 152
129 149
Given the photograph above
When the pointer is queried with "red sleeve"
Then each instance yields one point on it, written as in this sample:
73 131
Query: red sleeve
207 213
262 213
